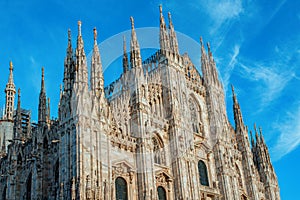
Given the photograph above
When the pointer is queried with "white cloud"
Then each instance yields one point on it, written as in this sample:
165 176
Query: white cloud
221 12
289 137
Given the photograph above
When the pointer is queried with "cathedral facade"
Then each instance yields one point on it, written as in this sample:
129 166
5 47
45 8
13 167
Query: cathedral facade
159 132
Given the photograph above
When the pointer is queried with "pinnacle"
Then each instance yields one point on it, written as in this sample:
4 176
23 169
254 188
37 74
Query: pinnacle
95 34
11 66
132 22
79 28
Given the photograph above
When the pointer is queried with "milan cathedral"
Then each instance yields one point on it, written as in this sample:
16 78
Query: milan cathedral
158 132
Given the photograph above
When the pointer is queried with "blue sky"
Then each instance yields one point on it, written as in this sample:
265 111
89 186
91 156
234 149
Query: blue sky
256 44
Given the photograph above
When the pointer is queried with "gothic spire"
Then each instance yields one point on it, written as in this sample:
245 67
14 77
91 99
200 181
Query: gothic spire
204 62
10 92
81 67
43 81
125 57
252 140
211 61
18 118
69 48
172 36
209 68
69 66
238 118
135 54
48 111
19 101
256 134
163 34
97 80
42 111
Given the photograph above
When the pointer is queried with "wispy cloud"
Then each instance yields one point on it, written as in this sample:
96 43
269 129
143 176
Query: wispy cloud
289 137
35 73
272 80
230 67
223 15
221 12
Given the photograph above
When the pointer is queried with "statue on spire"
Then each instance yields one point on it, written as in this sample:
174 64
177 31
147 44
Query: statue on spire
42 109
10 92
96 80
135 54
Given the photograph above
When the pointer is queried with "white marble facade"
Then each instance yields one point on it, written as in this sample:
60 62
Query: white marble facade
159 132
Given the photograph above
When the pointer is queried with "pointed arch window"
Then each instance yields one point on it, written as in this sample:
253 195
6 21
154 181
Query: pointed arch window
158 150
121 189
203 173
195 116
161 192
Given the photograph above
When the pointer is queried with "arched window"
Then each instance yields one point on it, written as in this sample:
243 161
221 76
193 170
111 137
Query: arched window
195 116
161 192
158 150
121 189
203 173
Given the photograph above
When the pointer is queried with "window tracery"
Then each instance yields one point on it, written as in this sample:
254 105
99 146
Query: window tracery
158 151
195 116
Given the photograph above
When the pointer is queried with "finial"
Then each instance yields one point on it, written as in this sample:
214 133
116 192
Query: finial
169 17
79 27
43 72
260 132
256 134
208 46
160 9
261 135
252 139
201 41
132 22
10 66
232 89
95 34
19 93
69 34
